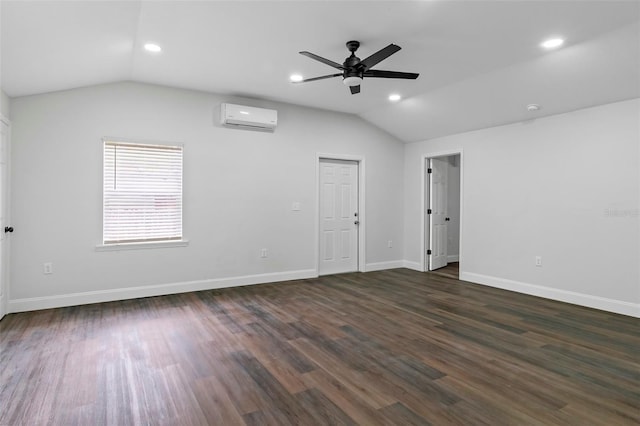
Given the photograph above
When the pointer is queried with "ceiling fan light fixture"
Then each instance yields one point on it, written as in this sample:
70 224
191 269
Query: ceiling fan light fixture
296 78
394 97
352 81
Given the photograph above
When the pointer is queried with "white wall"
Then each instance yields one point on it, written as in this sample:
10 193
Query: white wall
238 190
5 105
565 187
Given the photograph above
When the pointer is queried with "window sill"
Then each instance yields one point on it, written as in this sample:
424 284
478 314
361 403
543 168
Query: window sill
142 246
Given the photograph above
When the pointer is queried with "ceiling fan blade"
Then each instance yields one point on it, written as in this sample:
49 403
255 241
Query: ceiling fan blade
390 74
318 78
355 89
380 55
323 60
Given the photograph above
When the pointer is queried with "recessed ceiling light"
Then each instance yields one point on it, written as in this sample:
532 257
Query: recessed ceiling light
533 107
395 97
152 47
296 78
552 43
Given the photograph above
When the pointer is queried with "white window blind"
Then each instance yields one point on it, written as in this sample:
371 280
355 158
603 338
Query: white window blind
142 193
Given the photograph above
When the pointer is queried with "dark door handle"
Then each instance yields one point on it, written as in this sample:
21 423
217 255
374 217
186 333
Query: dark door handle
8 229
447 219
357 222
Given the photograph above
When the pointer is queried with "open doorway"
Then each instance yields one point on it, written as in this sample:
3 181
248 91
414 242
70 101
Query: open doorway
442 214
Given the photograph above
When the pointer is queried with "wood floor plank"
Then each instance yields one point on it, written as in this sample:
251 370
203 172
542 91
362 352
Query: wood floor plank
349 401
277 362
399 414
355 380
215 403
321 409
381 348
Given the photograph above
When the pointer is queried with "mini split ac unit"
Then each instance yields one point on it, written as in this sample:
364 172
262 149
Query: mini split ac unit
248 117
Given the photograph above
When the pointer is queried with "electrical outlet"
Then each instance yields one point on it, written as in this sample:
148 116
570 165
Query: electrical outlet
390 244
47 268
263 252
538 260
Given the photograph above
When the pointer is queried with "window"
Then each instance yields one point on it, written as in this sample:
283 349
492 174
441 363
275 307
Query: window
142 199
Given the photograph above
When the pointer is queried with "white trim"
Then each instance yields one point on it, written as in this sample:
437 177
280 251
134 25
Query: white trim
604 304
5 268
142 246
73 299
416 266
362 217
381 266
453 258
423 225
423 206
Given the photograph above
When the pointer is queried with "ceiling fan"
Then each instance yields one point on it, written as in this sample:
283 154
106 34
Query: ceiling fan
354 69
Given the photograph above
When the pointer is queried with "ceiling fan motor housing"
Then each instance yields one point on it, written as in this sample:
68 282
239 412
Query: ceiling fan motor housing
351 62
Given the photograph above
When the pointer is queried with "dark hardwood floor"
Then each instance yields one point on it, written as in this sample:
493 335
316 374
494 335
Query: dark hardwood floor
383 348
452 270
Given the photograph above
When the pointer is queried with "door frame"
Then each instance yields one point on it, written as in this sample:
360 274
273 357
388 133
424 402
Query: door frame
424 223
4 309
362 217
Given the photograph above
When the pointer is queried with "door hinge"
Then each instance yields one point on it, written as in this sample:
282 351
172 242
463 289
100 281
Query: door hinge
428 251
429 170
428 211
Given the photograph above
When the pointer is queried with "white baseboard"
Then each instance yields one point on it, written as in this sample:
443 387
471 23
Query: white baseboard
416 266
58 301
380 266
604 304
453 258
73 299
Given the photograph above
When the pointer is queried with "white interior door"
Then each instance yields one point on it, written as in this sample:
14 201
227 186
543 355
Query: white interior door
338 217
4 209
438 220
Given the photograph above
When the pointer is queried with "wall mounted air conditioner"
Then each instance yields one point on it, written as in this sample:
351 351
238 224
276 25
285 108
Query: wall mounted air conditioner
247 117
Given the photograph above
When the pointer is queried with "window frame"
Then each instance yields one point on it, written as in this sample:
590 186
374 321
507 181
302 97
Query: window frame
135 245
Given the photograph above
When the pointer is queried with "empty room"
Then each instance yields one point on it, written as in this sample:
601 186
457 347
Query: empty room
319 212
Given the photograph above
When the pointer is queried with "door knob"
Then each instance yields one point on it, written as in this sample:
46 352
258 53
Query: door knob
357 222
447 219
8 229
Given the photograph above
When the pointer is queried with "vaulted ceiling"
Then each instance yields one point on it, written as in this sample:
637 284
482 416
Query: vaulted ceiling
480 62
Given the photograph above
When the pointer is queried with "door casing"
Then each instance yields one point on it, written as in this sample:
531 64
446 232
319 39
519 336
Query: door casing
425 231
5 193
362 217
